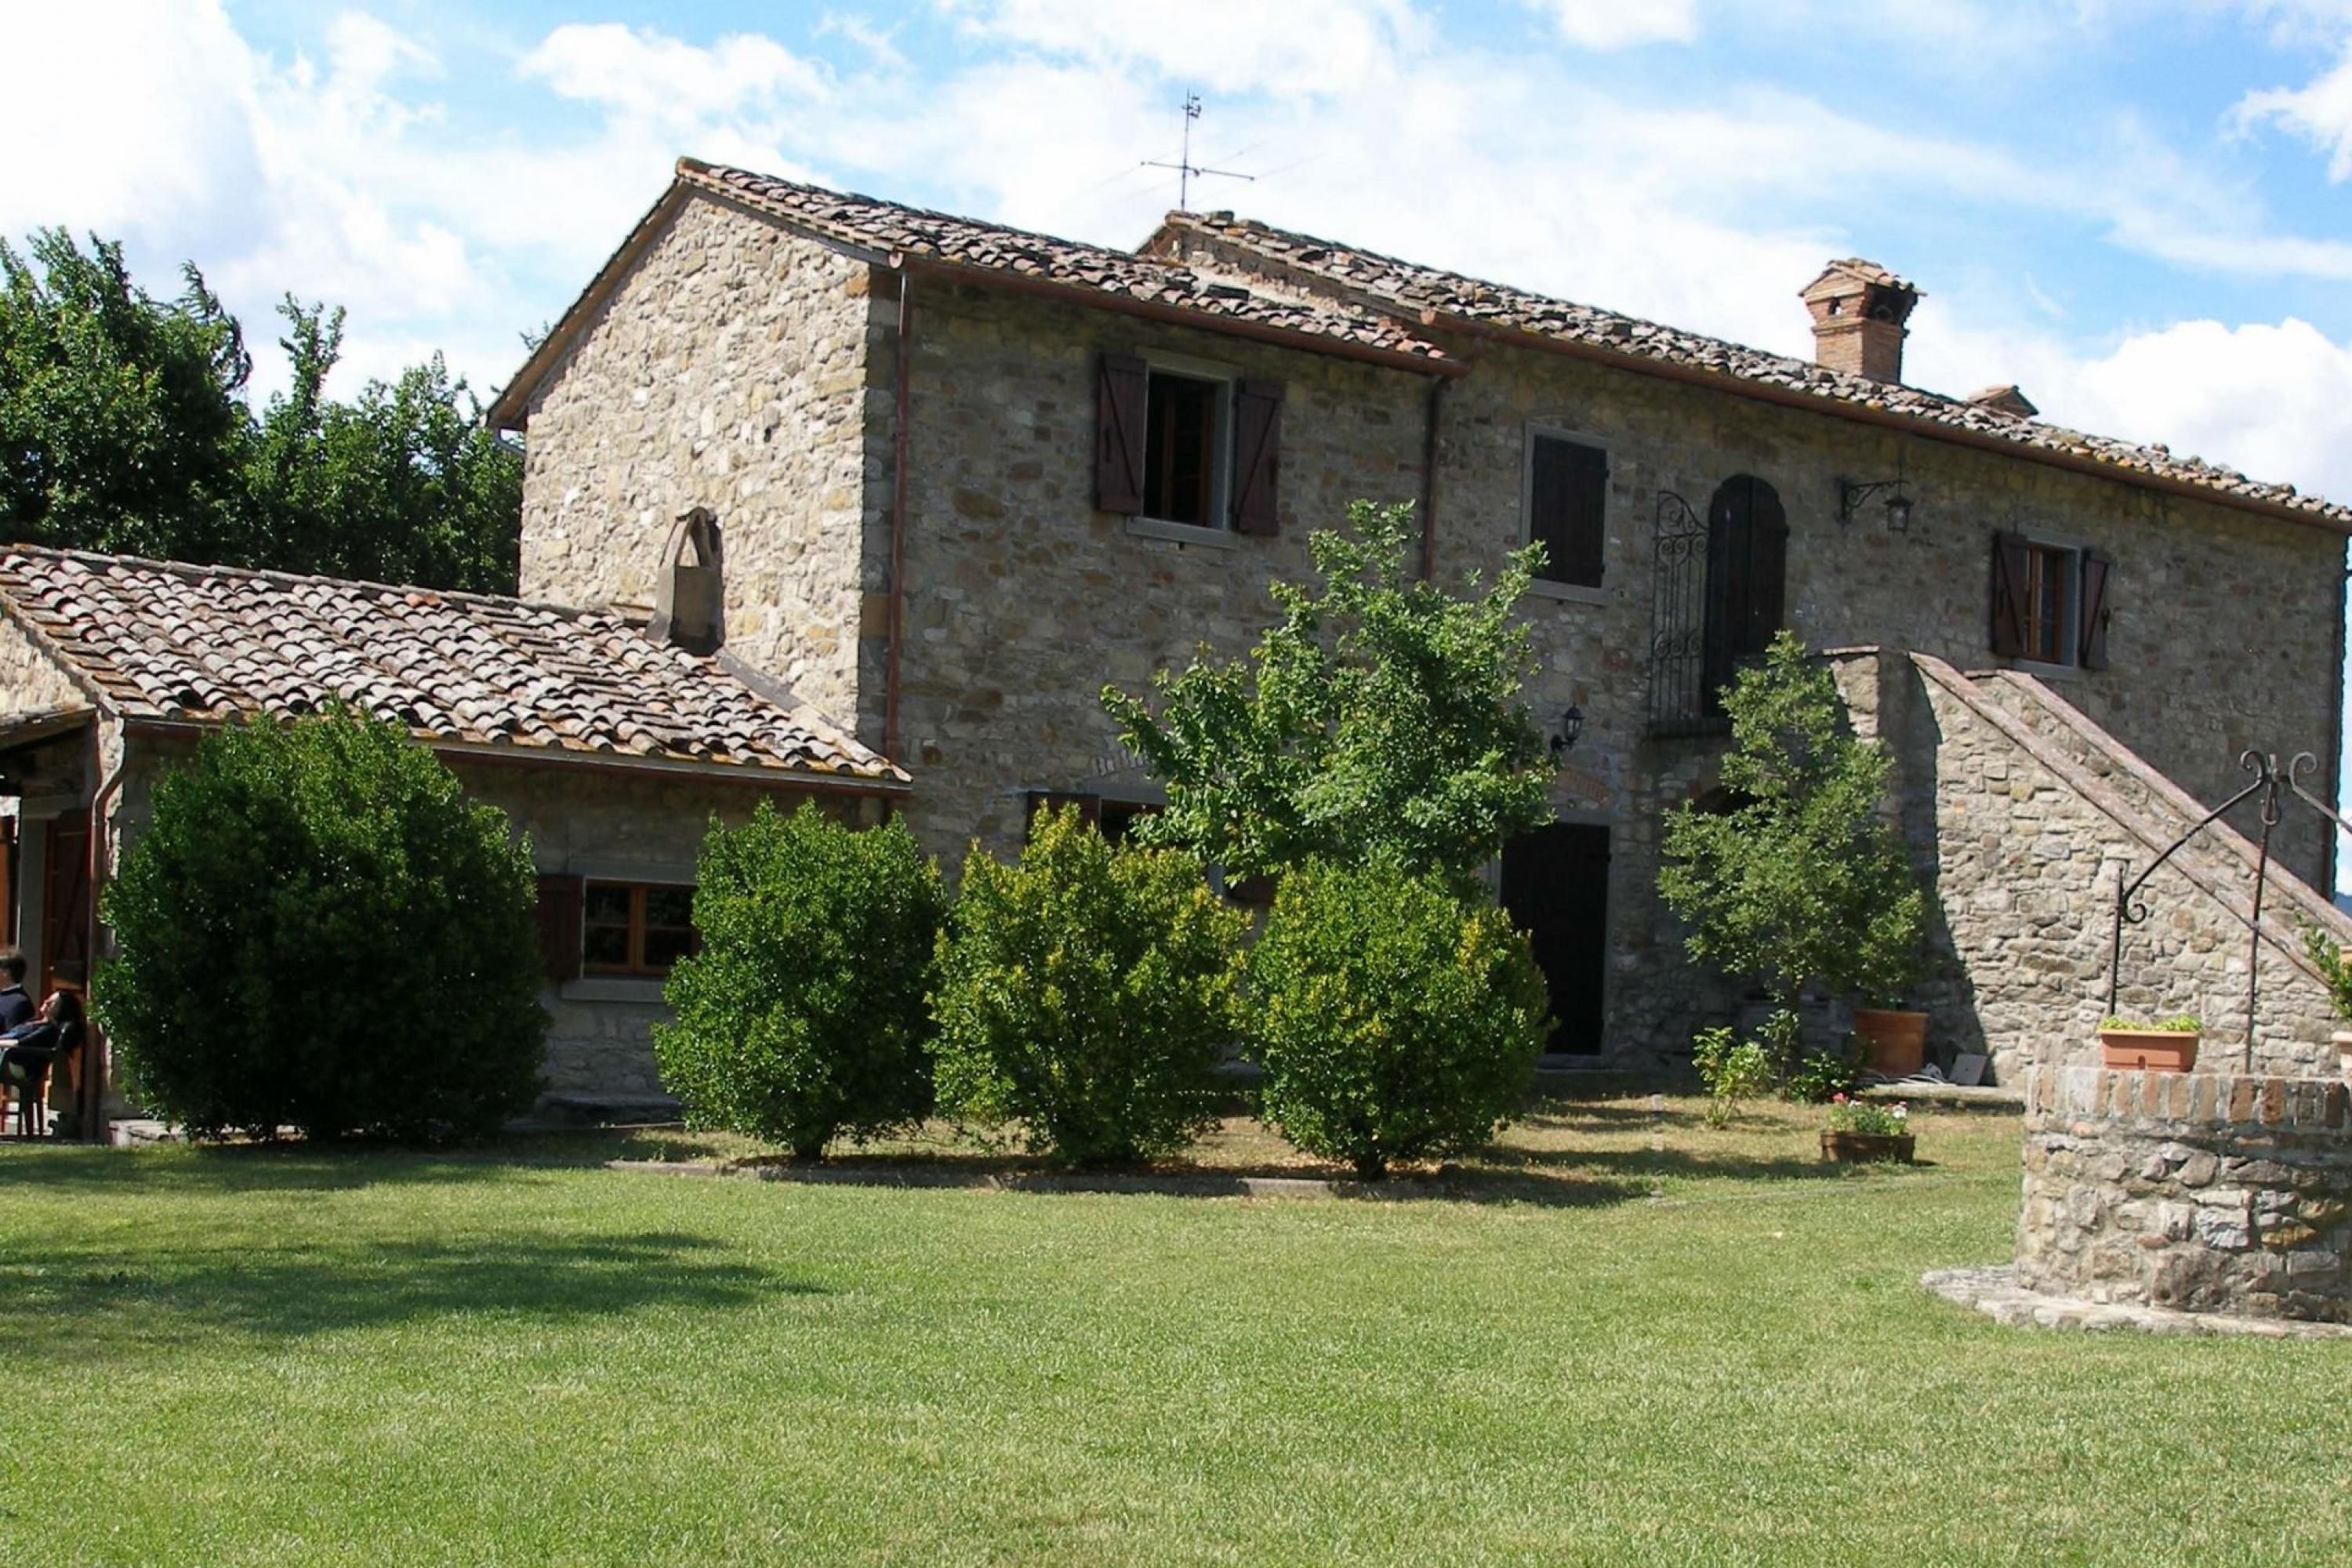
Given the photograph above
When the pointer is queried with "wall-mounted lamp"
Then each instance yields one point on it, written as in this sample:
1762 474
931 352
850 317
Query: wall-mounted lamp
1571 725
1852 493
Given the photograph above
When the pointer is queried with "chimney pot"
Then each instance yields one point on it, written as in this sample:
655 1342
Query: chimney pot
1859 311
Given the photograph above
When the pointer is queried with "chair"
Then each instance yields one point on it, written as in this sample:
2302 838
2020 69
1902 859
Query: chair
33 1096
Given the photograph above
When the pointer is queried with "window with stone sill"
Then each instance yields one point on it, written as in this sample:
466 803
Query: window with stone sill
1564 497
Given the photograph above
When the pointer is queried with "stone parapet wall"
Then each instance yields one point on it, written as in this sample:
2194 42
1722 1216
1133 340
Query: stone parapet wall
2197 1192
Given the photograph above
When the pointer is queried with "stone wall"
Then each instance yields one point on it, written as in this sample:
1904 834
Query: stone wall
616 827
728 370
29 679
2022 847
1023 600
2198 1192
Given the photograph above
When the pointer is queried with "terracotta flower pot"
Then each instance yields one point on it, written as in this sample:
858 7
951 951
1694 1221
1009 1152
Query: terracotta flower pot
1862 1148
2148 1050
1898 1040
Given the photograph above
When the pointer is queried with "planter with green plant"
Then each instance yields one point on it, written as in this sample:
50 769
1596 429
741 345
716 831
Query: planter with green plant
2163 1045
1801 882
1859 1131
2327 957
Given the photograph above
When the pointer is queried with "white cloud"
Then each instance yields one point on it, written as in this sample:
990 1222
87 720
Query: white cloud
1619 24
1312 46
2319 113
645 74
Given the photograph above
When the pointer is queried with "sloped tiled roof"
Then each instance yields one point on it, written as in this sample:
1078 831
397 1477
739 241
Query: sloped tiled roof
895 229
165 641
1378 281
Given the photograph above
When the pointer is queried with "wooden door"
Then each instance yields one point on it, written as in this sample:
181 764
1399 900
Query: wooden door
1747 579
1556 887
65 906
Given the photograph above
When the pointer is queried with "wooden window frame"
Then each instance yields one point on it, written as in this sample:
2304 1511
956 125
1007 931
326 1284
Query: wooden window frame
1218 506
636 967
1549 587
2036 617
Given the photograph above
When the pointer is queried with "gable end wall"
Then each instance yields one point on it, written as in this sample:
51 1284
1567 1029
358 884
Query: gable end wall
728 370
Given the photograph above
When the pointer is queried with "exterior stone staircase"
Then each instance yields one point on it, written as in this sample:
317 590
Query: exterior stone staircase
2222 860
2034 812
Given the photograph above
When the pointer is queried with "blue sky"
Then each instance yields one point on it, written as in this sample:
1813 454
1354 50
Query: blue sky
2134 208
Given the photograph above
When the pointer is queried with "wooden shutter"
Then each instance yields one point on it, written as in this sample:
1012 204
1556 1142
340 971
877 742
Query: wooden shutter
2010 563
1768 572
1257 456
1568 503
559 926
1122 385
2091 624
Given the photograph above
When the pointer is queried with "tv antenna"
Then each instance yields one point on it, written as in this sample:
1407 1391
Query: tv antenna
1185 166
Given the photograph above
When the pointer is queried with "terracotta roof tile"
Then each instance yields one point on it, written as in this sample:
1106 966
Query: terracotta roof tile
890 228
1378 281
168 640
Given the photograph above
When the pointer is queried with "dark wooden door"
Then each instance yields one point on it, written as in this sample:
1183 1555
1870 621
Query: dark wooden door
1556 887
65 906
1746 578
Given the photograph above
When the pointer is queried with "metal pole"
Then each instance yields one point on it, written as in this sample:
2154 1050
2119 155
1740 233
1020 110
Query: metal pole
2270 778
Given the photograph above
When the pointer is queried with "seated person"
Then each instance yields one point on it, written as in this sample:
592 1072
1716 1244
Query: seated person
16 1007
28 1048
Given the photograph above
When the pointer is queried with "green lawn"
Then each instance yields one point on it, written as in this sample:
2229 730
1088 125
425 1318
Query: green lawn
1642 1342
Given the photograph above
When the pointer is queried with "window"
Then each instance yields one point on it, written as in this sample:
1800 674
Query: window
1181 443
1566 502
635 928
1182 476
2049 602
1747 581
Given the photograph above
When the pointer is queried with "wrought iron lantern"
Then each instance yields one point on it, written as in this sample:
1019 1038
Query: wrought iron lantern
1852 493
1571 725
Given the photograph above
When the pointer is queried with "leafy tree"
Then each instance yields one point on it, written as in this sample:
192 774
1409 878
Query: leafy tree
1382 717
316 929
1086 992
121 425
404 484
1801 882
1393 1019
804 1014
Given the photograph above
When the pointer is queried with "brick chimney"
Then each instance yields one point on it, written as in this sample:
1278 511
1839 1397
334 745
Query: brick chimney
1859 311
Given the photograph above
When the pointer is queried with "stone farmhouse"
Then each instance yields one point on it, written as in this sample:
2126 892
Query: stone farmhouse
858 499
967 475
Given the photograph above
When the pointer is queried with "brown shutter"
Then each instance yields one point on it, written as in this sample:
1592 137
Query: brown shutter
1767 574
1257 456
1122 385
2010 566
559 926
2091 627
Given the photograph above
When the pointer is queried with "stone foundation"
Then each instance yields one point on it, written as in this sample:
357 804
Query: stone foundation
2192 1192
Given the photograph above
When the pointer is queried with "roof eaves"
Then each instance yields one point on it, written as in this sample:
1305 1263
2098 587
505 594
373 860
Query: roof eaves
71 665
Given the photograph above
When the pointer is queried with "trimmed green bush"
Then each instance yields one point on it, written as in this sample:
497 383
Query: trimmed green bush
1085 993
317 930
804 1014
1393 1020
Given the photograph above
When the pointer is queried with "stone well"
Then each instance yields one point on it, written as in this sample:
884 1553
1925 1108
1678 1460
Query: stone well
2193 1192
